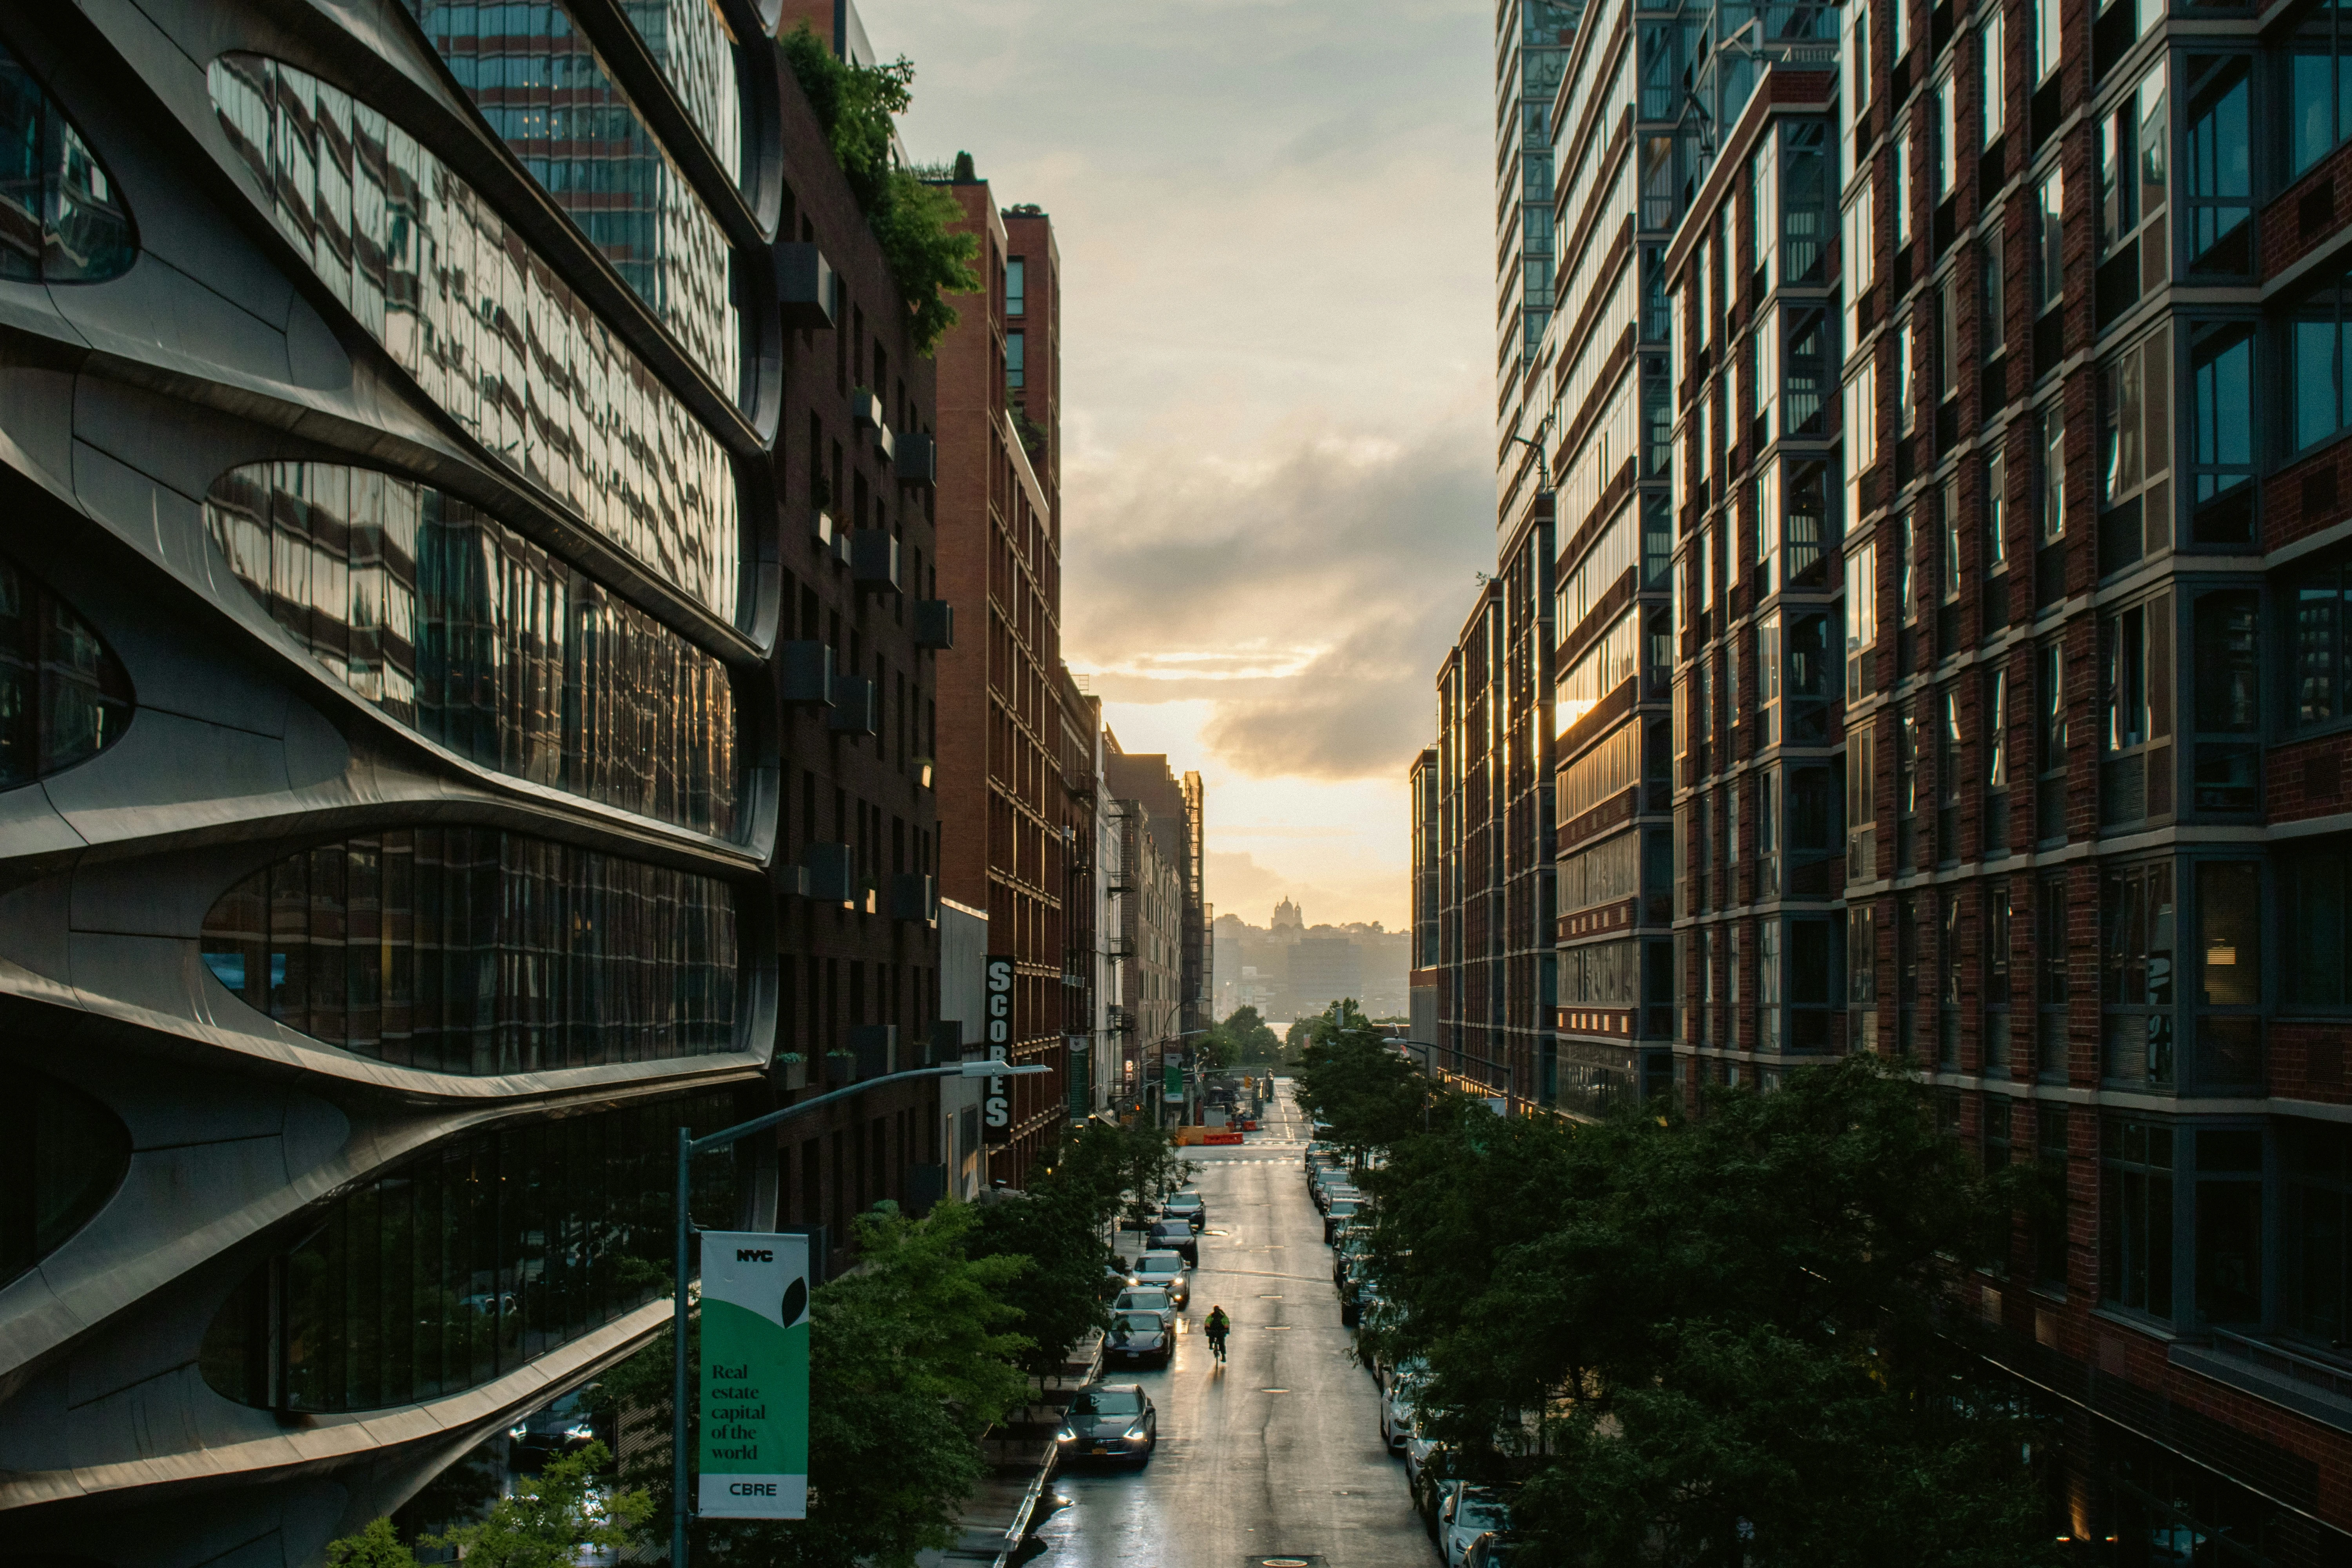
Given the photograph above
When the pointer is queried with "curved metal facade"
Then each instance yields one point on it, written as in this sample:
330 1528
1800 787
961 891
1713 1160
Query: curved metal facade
229 746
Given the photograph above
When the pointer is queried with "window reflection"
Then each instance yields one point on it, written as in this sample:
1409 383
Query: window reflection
62 1155
465 949
488 330
690 43
546 94
465 631
62 220
462 1265
63 696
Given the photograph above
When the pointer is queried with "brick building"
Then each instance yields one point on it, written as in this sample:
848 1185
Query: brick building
2062 822
1006 812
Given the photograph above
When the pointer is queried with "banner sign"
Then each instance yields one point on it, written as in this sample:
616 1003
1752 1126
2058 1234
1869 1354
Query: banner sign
996 1104
1171 1079
754 1375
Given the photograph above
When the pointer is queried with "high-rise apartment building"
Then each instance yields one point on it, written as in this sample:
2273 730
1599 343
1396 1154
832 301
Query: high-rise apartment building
2007 438
1148 789
463 704
1005 814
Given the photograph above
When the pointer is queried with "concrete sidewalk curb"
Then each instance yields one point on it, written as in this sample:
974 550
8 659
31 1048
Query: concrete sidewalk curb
982 1539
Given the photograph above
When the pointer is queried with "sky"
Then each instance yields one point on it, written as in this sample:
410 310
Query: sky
1277 234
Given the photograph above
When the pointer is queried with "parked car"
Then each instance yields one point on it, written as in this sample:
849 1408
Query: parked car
1426 1462
1186 1207
1340 1209
1138 1339
1468 1513
1329 1192
1175 1235
1112 1422
1494 1550
1165 1270
1397 1415
1147 1299
1115 1277
564 1426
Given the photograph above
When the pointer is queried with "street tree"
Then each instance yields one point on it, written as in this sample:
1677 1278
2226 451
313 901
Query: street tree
1353 1080
547 1522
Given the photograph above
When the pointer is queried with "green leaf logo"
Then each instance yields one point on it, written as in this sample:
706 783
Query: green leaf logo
796 1303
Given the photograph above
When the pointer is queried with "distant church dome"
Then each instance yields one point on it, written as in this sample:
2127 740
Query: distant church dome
1286 913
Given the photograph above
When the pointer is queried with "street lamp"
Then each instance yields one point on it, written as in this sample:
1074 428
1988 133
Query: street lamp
689 1146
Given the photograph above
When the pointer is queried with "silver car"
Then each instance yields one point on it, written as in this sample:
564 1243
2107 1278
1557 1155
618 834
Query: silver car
1147 1299
1469 1513
1165 1271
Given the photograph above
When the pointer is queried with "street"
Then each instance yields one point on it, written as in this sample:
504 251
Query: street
1278 1454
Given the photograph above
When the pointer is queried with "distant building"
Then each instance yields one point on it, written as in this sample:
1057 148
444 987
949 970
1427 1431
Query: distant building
1288 916
1324 970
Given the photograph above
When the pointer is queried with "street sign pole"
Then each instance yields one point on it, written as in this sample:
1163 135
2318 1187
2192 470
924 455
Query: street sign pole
689 1146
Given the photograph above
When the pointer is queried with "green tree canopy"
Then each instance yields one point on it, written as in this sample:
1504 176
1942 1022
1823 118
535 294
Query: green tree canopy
1353 1078
858 106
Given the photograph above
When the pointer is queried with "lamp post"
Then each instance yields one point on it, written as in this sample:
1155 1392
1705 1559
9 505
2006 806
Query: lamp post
689 1146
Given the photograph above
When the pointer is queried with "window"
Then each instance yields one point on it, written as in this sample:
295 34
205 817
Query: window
1991 283
65 1154
1907 373
1805 201
2218 151
2229 700
64 696
1996 979
1904 157
2134 452
2315 351
1805 369
2315 1232
652 478
2221 429
2319 90
1861 613
2130 162
2048 16
460 628
1602 568
2048 242
2136 703
1907 597
1946 132
2312 883
2051 971
1764 379
1948 504
1862 955
1016 286
1607 665
2136 923
1764 216
1606 873
1015 354
2123 680
1948 983
61 218
1902 28
1992 83
588 147
2317 689
466 1262
1858 257
2050 494
2229 1268
2050 744
2229 971
2136 1195
2049 1226
1854 63
1995 511
1805 523
1948 338
1949 740
1860 411
478 952
1996 732
1601 775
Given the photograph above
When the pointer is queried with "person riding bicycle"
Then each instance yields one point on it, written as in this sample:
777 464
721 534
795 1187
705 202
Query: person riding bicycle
1217 1326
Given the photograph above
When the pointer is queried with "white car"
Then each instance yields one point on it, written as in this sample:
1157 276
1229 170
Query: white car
1397 1415
1147 1299
1469 1512
1164 1271
1418 1447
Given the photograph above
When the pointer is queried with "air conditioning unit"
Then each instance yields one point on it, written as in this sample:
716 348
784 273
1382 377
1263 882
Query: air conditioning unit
853 707
805 669
832 539
791 881
808 295
914 898
886 444
874 560
832 873
918 460
875 1047
934 624
864 410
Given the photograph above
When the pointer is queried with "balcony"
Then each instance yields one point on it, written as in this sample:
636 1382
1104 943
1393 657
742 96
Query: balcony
2306 1380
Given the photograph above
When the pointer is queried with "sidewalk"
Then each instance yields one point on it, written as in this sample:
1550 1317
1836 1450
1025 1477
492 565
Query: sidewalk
1020 1456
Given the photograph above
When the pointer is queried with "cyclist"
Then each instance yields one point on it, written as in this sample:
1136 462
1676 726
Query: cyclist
1217 1327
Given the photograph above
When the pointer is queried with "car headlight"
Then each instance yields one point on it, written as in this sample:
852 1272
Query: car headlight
1066 1435
581 1433
1132 1432
518 1433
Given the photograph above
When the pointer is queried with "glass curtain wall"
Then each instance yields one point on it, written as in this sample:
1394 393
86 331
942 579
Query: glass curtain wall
466 632
467 1262
490 332
696 56
61 218
465 950
543 90
64 698
62 1155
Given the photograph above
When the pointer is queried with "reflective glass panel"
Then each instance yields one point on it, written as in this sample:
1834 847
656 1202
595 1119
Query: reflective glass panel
689 41
467 950
466 632
64 698
547 94
484 326
62 220
62 1155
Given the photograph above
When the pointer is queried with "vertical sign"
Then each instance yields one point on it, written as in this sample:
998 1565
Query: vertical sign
996 1106
754 1375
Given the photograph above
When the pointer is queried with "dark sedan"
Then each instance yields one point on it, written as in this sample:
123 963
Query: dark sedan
1175 1235
1112 1421
1138 1339
1341 1210
1186 1207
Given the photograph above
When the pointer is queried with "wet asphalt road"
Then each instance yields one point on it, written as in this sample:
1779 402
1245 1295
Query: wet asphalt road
1278 1453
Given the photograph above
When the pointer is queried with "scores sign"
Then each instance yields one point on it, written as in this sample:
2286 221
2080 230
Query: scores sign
755 1375
996 1105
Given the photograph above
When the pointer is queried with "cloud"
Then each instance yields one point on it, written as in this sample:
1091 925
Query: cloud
1305 590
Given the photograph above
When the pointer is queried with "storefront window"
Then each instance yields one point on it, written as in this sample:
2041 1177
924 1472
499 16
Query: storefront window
471 951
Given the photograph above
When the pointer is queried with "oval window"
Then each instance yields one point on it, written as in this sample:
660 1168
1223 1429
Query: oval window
64 696
62 1155
62 219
